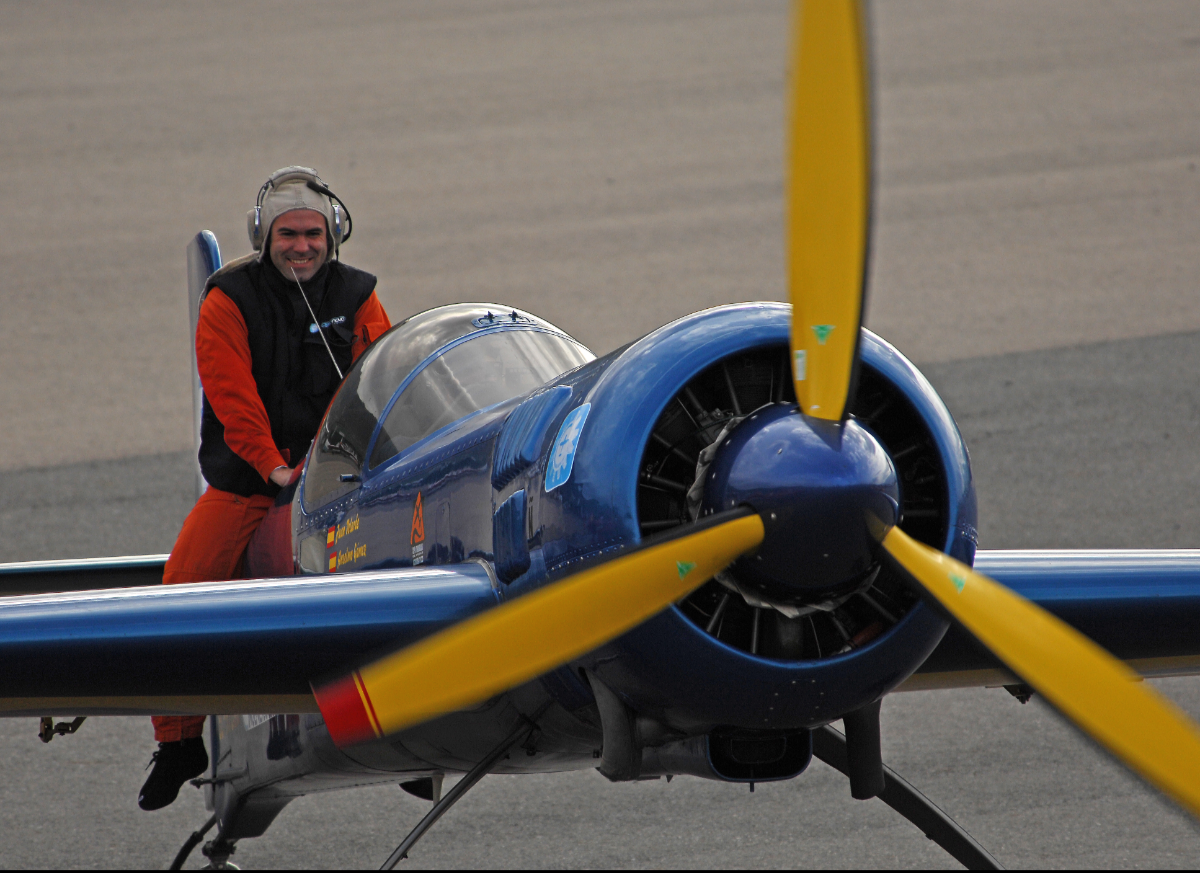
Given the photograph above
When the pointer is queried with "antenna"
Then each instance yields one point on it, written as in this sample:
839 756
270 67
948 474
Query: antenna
316 323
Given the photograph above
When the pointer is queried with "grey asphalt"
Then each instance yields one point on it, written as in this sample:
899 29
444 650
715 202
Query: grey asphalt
612 166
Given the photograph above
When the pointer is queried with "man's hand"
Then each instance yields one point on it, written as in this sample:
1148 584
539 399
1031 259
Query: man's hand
282 475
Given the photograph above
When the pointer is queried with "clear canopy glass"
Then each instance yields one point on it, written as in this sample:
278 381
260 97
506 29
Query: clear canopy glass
444 364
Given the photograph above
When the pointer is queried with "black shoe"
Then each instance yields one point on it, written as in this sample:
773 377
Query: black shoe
174 764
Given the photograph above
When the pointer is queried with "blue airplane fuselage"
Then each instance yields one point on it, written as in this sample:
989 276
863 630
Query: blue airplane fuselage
491 489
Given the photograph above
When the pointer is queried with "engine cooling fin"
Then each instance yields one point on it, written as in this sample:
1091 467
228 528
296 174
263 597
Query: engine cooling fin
694 418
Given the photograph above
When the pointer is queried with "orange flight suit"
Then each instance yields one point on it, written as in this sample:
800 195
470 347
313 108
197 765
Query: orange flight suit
213 541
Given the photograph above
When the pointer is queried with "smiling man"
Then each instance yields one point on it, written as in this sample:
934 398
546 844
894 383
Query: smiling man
277 329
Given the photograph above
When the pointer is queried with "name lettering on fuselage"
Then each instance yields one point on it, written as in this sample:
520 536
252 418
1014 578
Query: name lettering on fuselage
351 554
416 537
349 526
339 557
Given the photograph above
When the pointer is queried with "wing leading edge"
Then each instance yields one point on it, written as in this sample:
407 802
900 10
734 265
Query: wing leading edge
80 574
253 646
218 647
1142 606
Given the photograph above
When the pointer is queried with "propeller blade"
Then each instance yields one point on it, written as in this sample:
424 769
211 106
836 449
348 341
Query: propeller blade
522 639
1095 691
829 197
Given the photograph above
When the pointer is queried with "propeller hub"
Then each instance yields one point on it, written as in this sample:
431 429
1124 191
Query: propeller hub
827 493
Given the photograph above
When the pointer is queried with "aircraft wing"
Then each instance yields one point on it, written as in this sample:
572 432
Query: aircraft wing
42 577
216 647
254 646
1142 606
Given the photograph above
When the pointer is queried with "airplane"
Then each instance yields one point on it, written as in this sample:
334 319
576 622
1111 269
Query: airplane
425 527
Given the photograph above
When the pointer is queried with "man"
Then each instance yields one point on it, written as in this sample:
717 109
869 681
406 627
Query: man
277 330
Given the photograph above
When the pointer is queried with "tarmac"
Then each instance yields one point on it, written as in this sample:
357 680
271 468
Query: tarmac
612 166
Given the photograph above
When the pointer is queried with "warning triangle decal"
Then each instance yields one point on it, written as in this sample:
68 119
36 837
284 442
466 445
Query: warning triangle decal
418 525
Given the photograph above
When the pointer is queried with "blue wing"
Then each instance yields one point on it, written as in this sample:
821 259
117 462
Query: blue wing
39 577
216 647
253 646
1143 606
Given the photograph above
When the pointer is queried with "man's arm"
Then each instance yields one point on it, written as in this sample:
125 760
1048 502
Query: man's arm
370 323
223 360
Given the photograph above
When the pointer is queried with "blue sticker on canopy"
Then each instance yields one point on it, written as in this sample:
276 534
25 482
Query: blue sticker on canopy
562 454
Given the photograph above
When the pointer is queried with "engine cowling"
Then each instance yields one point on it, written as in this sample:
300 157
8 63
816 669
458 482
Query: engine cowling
769 646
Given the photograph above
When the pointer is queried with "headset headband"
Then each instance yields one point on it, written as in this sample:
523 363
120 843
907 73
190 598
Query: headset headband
338 220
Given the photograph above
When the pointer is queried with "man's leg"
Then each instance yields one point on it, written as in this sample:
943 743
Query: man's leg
210 548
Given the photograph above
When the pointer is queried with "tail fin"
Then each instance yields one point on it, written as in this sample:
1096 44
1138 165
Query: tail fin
203 259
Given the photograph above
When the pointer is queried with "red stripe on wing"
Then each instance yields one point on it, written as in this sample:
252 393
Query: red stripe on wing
345 711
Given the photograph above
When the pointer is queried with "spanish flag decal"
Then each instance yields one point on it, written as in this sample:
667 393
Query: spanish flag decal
332 561
331 536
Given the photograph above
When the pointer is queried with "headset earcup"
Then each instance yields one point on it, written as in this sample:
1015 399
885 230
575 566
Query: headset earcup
338 232
254 228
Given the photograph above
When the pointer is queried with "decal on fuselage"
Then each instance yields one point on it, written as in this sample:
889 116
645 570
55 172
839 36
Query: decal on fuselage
344 529
562 454
350 553
284 739
417 536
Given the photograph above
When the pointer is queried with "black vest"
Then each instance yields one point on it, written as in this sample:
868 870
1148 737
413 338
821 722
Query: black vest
292 370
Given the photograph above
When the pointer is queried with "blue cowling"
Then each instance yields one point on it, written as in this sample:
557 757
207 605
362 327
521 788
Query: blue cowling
672 669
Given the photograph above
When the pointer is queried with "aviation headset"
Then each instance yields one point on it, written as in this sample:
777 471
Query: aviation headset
337 216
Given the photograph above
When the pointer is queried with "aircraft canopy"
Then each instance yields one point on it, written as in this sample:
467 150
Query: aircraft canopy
425 374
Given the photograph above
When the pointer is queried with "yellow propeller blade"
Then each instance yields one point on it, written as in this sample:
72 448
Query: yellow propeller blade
1103 697
829 195
529 636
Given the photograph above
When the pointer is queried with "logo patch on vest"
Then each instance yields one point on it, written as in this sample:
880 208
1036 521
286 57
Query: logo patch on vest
325 325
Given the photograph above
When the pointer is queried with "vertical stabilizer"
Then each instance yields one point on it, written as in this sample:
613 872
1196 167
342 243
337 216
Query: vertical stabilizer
203 259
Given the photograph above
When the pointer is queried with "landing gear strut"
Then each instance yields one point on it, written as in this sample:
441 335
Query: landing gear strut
830 747
218 851
191 843
451 797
